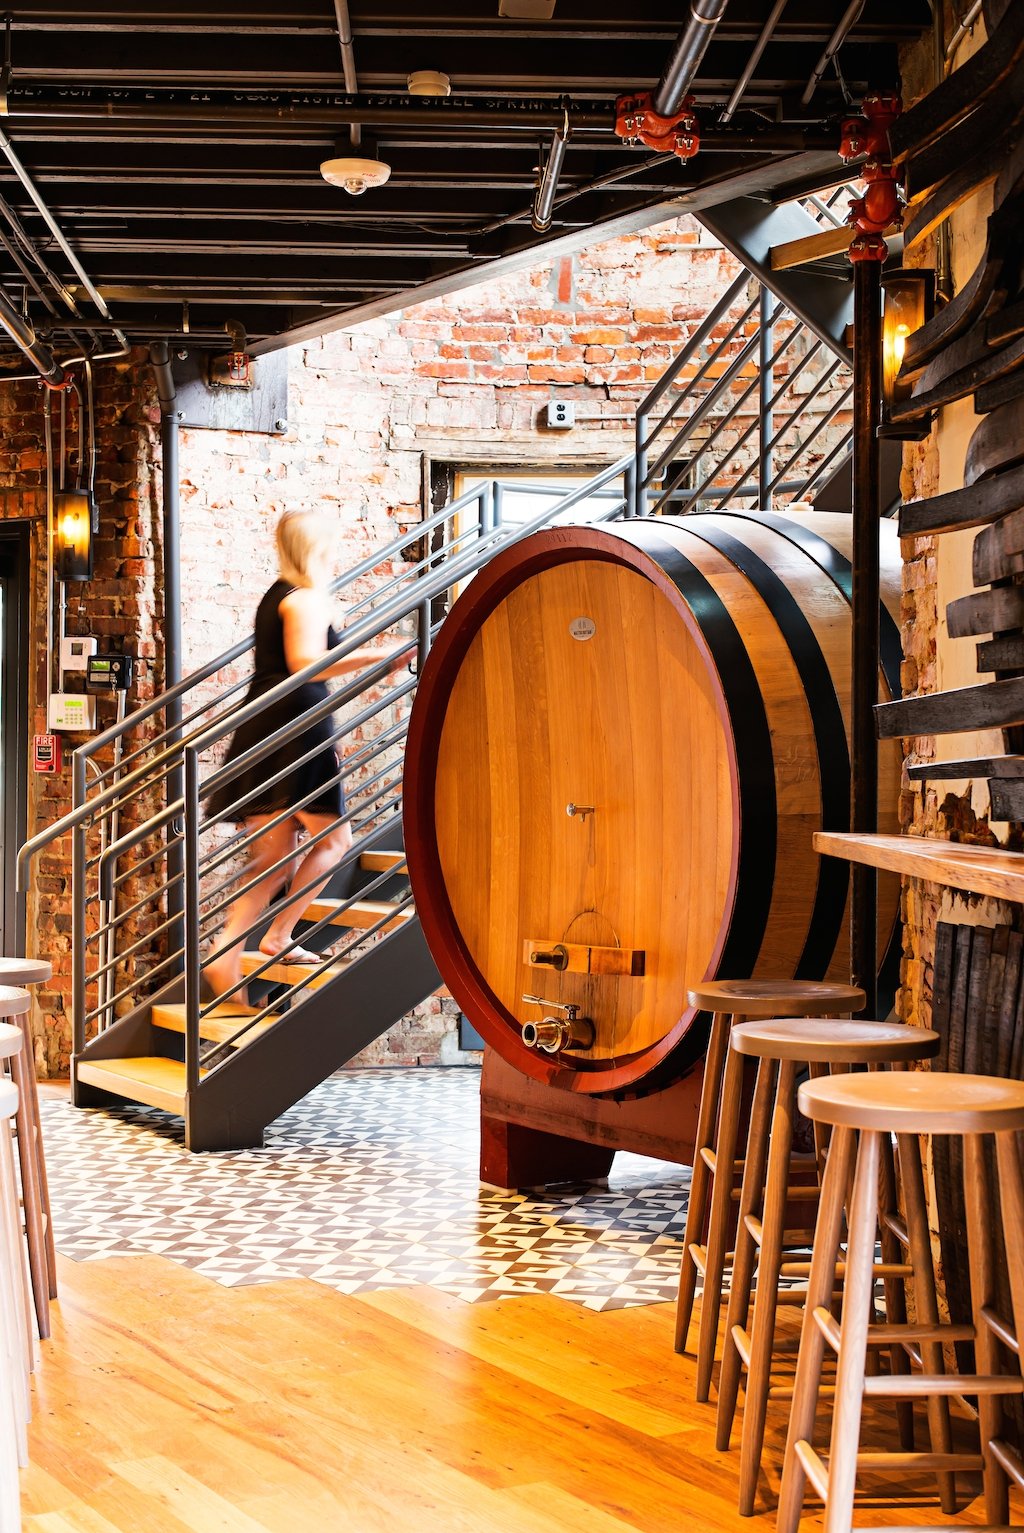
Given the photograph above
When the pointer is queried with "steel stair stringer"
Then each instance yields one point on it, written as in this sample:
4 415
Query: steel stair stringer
749 228
235 1102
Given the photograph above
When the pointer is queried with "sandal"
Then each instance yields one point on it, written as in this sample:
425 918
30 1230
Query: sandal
300 955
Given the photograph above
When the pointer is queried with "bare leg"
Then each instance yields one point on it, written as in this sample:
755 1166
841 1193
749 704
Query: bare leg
272 845
315 867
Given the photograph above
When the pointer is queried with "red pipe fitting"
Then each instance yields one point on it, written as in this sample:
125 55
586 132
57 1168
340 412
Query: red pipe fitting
636 121
868 247
868 134
881 206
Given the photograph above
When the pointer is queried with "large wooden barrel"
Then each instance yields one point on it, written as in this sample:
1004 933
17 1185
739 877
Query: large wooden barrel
621 744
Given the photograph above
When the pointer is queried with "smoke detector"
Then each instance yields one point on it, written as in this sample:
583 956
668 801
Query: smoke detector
355 173
429 82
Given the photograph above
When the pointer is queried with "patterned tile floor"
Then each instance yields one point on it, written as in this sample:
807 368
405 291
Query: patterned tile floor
370 1182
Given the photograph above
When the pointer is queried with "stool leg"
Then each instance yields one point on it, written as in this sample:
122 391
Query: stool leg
751 1197
820 1284
926 1304
981 1256
857 1296
32 1196
766 1296
721 1209
696 1209
894 1287
37 1140
1011 1198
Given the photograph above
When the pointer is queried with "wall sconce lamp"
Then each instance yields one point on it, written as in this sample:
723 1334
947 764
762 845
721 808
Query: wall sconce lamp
909 302
73 525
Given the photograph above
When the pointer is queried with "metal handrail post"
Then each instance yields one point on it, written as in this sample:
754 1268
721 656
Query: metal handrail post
78 894
497 503
191 919
629 488
487 522
640 465
766 380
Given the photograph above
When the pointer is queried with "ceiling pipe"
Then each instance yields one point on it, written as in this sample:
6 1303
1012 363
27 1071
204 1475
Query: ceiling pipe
849 17
348 59
753 61
544 202
160 361
40 355
7 148
526 116
690 48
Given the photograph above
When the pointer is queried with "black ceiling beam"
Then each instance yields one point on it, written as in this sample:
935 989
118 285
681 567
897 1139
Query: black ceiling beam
802 20
599 65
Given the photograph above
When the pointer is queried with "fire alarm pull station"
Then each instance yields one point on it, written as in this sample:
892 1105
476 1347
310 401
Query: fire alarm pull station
46 753
109 673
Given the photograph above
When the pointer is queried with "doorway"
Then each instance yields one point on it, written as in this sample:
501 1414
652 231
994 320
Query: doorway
14 725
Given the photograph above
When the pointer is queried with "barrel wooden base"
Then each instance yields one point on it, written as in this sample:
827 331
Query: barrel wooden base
531 1133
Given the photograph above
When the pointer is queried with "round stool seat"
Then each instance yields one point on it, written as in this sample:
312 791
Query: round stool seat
820 1040
24 971
917 1102
12 1040
14 1001
767 997
8 1099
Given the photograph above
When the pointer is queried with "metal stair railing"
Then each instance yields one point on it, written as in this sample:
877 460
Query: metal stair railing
116 970
727 423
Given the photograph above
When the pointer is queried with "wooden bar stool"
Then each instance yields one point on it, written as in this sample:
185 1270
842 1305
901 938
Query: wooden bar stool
34 971
730 1001
865 1111
782 1049
15 1004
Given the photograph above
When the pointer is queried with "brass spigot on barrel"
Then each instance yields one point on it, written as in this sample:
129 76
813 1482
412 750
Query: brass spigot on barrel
553 1034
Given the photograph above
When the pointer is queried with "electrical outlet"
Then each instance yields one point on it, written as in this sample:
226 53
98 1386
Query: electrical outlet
561 414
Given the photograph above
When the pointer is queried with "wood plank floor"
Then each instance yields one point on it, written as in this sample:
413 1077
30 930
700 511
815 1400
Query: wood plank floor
166 1402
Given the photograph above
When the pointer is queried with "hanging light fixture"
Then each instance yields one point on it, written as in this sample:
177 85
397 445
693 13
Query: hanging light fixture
354 171
73 524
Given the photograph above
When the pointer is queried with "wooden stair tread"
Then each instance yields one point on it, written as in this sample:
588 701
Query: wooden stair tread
221 1022
362 913
289 973
148 1078
381 862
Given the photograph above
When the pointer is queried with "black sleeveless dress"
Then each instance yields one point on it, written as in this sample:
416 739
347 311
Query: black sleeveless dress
270 668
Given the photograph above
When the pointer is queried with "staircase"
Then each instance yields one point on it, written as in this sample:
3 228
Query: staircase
750 412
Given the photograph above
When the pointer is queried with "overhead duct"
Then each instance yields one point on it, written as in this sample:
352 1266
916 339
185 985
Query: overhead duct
691 46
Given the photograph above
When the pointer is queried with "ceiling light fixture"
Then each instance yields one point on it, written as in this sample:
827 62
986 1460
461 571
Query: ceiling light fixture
355 172
429 82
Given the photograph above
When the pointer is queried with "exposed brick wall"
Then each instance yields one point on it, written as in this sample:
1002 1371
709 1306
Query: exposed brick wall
121 604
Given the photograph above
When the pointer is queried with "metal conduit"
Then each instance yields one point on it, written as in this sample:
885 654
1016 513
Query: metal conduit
7 148
850 16
544 202
755 58
348 59
24 337
690 48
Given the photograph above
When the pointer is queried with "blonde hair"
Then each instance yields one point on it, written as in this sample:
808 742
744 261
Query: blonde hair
303 548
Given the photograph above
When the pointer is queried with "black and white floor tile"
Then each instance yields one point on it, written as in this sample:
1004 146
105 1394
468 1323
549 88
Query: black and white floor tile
370 1182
